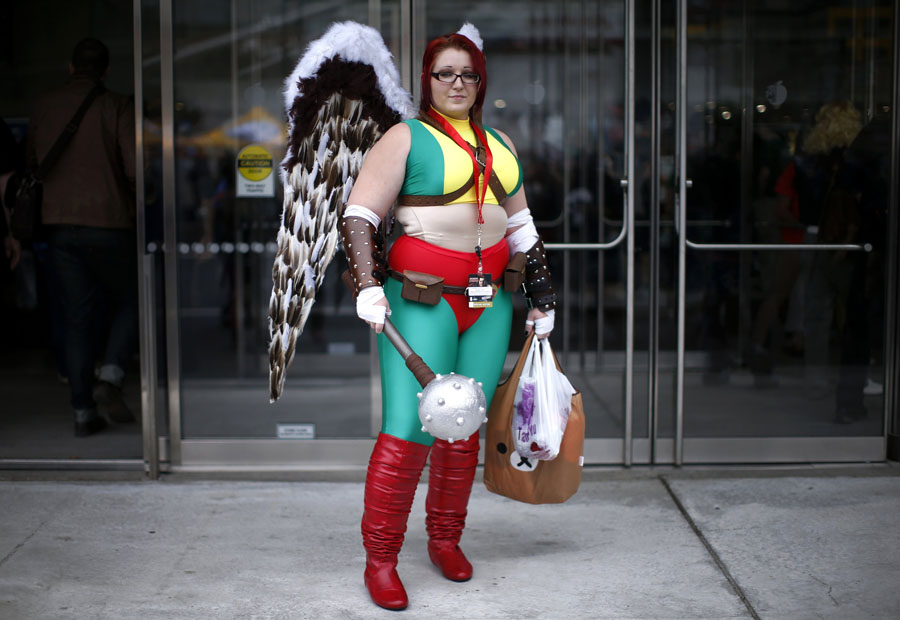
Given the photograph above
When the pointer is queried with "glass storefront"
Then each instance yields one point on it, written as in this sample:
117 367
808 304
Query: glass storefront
713 180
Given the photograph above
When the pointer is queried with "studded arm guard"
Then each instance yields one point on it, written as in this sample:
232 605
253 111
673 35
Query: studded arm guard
537 285
365 252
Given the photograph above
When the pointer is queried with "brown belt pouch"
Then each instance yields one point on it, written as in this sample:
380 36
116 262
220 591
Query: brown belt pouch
422 287
515 272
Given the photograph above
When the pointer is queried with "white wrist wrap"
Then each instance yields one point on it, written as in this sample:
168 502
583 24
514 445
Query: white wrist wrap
522 239
363 212
544 325
366 307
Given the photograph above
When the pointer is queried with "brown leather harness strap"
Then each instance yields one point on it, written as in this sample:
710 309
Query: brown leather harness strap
497 187
410 200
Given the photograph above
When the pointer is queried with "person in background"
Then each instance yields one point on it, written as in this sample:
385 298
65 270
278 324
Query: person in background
867 170
88 211
10 164
782 276
830 212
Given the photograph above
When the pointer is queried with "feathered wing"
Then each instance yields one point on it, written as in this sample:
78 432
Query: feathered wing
342 96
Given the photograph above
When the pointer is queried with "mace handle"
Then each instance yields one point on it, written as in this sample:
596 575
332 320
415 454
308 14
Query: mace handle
416 364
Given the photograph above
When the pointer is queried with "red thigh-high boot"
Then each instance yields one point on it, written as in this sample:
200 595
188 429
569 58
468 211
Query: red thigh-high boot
394 471
449 485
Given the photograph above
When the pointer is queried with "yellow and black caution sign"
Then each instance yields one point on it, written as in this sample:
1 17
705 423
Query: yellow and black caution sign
254 167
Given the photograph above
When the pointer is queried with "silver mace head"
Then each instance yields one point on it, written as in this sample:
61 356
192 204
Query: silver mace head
452 407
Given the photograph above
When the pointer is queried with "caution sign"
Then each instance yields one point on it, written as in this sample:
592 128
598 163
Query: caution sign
254 172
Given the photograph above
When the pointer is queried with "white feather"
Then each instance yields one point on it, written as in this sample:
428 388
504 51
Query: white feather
297 222
285 338
331 244
348 187
302 254
315 253
469 31
294 179
310 281
295 249
286 299
323 146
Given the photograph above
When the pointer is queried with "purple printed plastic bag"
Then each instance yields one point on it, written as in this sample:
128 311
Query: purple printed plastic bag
541 406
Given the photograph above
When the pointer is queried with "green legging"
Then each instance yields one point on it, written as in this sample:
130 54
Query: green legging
432 333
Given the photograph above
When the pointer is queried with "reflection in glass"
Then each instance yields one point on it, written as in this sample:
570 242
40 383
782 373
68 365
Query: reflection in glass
787 144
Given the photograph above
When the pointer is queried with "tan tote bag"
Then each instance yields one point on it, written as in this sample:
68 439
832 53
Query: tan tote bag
532 482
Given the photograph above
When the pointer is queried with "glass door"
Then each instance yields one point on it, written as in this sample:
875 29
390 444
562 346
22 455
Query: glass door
782 180
227 61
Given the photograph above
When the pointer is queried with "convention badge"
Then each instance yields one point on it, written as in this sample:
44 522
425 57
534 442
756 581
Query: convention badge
480 292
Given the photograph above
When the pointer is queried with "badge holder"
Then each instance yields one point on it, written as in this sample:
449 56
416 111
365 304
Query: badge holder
479 291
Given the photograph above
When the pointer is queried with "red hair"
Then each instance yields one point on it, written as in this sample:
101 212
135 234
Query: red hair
459 42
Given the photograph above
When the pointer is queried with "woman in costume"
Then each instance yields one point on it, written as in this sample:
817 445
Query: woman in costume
458 187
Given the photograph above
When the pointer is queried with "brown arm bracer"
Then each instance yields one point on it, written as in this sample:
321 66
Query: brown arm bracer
364 247
538 287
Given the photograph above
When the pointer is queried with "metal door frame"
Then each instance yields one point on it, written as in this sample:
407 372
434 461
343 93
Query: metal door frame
146 272
620 451
892 311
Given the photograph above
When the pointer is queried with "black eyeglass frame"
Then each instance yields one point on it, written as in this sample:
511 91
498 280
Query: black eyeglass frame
456 76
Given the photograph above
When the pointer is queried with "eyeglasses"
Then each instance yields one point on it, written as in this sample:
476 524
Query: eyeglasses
448 77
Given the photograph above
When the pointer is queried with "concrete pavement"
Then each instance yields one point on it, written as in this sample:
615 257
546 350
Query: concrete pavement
715 544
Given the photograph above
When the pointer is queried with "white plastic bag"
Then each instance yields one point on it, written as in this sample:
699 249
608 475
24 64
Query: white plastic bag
542 404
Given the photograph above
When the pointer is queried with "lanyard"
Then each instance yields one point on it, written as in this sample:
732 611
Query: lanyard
476 167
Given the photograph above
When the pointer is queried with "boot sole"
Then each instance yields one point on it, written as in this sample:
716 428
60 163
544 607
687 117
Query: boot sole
458 579
399 605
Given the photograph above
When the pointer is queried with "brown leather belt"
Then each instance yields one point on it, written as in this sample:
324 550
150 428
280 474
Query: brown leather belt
453 290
